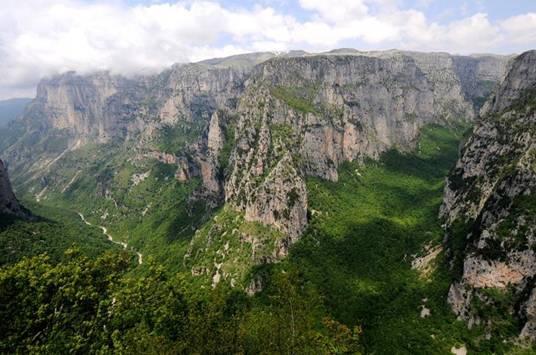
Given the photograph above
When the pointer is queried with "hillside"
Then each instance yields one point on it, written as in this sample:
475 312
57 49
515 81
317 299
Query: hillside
489 209
152 158
281 203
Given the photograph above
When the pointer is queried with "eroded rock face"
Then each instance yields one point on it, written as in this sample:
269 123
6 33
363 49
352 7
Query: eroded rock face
479 75
489 202
75 110
292 116
311 114
280 200
8 201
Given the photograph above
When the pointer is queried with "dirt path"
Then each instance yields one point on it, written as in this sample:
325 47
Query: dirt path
71 182
41 194
110 238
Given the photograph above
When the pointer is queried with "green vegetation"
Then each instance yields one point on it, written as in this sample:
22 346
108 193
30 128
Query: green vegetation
174 139
95 306
365 230
54 231
153 214
234 244
296 98
346 287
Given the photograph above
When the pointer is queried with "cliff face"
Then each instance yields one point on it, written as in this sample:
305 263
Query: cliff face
311 114
253 127
104 107
489 206
479 75
8 201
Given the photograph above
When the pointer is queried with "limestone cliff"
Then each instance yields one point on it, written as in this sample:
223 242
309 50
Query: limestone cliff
252 127
310 114
490 208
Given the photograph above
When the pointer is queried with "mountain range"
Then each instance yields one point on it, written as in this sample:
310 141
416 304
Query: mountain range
388 180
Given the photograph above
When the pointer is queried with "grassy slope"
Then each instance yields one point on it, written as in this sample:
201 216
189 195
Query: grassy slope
153 216
55 231
358 251
356 254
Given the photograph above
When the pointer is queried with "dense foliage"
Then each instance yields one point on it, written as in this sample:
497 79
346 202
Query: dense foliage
53 230
84 305
346 287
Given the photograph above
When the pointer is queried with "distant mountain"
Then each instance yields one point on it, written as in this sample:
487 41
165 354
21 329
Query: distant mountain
11 109
309 182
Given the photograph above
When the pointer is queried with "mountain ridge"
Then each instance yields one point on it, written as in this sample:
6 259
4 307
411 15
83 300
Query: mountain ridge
233 127
489 208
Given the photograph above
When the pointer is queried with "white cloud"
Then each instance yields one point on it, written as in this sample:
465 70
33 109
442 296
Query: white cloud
43 37
520 29
342 10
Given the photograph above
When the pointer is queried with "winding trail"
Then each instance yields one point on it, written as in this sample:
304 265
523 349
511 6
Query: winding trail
110 238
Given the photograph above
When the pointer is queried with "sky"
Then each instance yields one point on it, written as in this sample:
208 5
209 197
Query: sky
41 38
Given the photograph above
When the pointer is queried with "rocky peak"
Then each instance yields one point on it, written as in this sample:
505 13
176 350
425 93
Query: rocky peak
520 81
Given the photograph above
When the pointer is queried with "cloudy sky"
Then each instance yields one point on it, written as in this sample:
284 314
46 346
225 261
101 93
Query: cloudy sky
42 37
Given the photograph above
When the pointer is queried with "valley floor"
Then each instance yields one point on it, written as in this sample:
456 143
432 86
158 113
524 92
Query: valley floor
370 266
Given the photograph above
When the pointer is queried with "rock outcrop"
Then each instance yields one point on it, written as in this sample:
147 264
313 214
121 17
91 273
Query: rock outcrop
490 205
253 127
313 113
8 201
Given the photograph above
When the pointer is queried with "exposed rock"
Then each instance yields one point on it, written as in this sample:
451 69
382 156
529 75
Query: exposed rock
489 202
139 178
8 201
292 116
216 138
280 200
425 264
182 173
320 111
425 312
462 350
529 313
162 157
254 287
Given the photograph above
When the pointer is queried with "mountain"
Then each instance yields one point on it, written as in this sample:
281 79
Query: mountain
489 210
243 132
282 203
11 109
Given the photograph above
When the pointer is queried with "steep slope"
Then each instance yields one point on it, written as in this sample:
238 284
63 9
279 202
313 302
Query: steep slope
43 230
305 116
489 209
8 202
479 75
153 157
